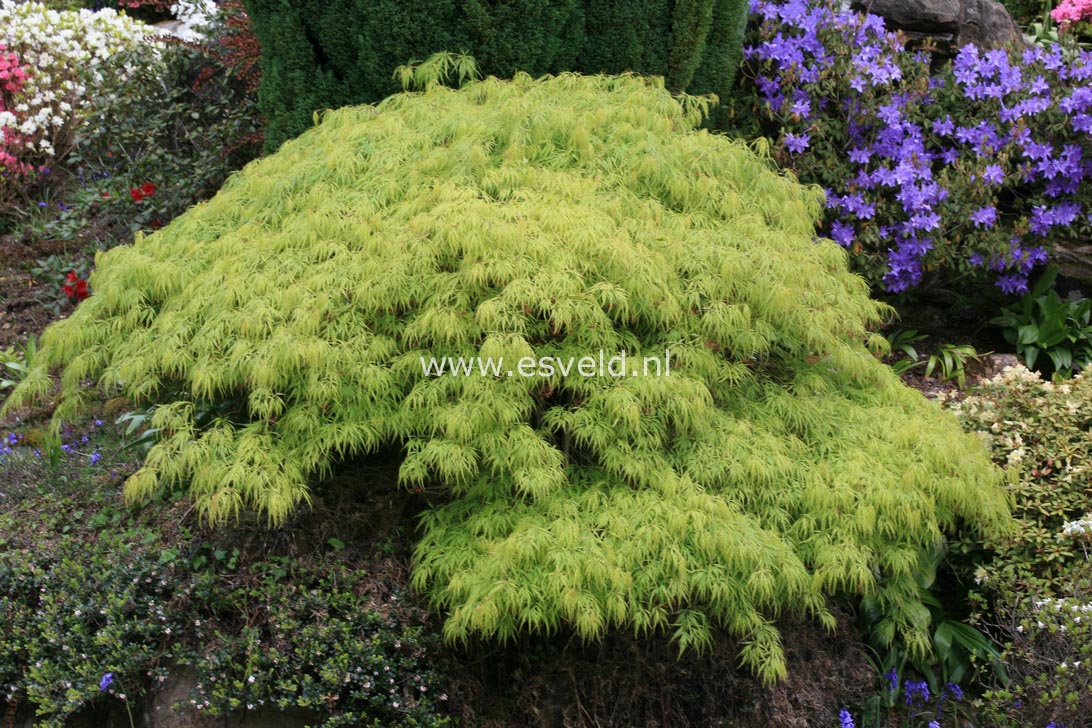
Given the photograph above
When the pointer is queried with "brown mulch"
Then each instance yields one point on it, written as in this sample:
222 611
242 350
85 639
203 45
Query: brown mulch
22 313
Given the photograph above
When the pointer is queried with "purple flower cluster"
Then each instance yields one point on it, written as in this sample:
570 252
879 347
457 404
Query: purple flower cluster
12 446
8 443
977 167
917 693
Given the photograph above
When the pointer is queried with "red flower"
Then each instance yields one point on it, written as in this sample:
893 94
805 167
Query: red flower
148 189
156 224
76 287
136 194
105 194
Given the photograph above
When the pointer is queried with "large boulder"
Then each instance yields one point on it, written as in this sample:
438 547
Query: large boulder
949 24
1074 260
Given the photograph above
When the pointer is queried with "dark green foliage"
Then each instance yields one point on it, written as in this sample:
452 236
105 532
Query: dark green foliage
319 646
1026 12
88 587
1049 330
1033 590
330 53
183 124
70 612
1048 653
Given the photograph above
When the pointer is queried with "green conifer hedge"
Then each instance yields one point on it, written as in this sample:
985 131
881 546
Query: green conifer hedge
778 464
323 54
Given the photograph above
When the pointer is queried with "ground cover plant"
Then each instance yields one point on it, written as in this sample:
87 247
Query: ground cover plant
102 604
1032 588
934 176
281 325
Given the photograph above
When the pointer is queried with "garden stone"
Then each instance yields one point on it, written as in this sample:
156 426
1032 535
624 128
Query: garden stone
994 364
949 24
1074 260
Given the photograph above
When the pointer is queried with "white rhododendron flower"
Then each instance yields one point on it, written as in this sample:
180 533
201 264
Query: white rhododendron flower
1078 528
65 55
195 17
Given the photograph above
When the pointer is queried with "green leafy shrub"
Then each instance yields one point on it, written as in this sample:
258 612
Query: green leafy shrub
15 363
320 55
553 218
1034 594
320 647
55 274
90 589
1026 12
73 612
956 645
1045 324
1048 656
948 362
1038 432
173 124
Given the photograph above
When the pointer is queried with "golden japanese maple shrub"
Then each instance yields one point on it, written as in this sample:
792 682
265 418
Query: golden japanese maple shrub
777 464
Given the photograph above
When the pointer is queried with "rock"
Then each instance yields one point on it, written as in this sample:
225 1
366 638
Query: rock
949 24
994 364
1074 260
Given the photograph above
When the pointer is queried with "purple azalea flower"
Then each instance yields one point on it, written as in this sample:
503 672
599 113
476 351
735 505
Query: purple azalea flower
944 126
859 156
797 143
1012 284
993 174
984 216
842 233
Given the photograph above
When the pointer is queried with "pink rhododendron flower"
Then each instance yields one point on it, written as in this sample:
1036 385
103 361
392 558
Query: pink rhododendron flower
1072 11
